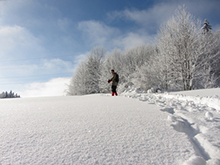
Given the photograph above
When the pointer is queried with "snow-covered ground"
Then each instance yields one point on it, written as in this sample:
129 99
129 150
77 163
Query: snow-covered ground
133 128
194 113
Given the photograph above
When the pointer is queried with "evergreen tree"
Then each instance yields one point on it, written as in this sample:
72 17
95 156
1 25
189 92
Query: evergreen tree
9 95
206 27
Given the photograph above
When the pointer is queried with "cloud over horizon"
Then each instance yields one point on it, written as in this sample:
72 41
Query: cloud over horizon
53 87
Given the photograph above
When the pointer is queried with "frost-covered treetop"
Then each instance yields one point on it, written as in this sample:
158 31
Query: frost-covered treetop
206 27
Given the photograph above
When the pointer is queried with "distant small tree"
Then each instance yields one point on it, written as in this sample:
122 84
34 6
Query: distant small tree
206 27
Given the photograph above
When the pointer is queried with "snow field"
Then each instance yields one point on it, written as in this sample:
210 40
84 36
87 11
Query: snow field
196 116
93 129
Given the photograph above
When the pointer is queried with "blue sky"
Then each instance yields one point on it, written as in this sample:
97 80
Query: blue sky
42 41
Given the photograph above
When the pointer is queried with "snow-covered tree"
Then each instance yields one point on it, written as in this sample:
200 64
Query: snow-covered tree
126 64
208 62
216 66
87 76
206 27
182 59
78 82
180 46
187 55
93 67
113 60
9 95
144 76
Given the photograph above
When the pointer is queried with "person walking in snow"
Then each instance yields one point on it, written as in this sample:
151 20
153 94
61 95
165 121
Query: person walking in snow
114 81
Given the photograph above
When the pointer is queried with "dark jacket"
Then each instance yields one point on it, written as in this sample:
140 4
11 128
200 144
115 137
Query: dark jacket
113 79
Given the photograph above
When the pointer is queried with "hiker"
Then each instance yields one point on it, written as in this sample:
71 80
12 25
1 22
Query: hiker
114 81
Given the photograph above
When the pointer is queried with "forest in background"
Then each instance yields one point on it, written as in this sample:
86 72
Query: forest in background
9 95
186 56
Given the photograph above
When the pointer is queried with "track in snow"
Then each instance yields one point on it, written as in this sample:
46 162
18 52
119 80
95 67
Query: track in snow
198 117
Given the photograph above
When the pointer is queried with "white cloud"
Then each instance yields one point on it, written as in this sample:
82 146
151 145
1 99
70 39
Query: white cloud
17 42
146 25
97 33
44 21
28 13
14 77
56 65
44 67
149 19
133 39
147 22
35 43
64 24
54 87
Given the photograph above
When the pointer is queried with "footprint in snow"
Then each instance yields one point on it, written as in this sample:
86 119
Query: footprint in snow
181 125
195 160
209 116
169 110
171 118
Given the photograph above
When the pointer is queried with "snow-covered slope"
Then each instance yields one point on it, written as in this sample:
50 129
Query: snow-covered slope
195 113
100 129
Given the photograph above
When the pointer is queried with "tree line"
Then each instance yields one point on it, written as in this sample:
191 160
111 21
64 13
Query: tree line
186 56
9 95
